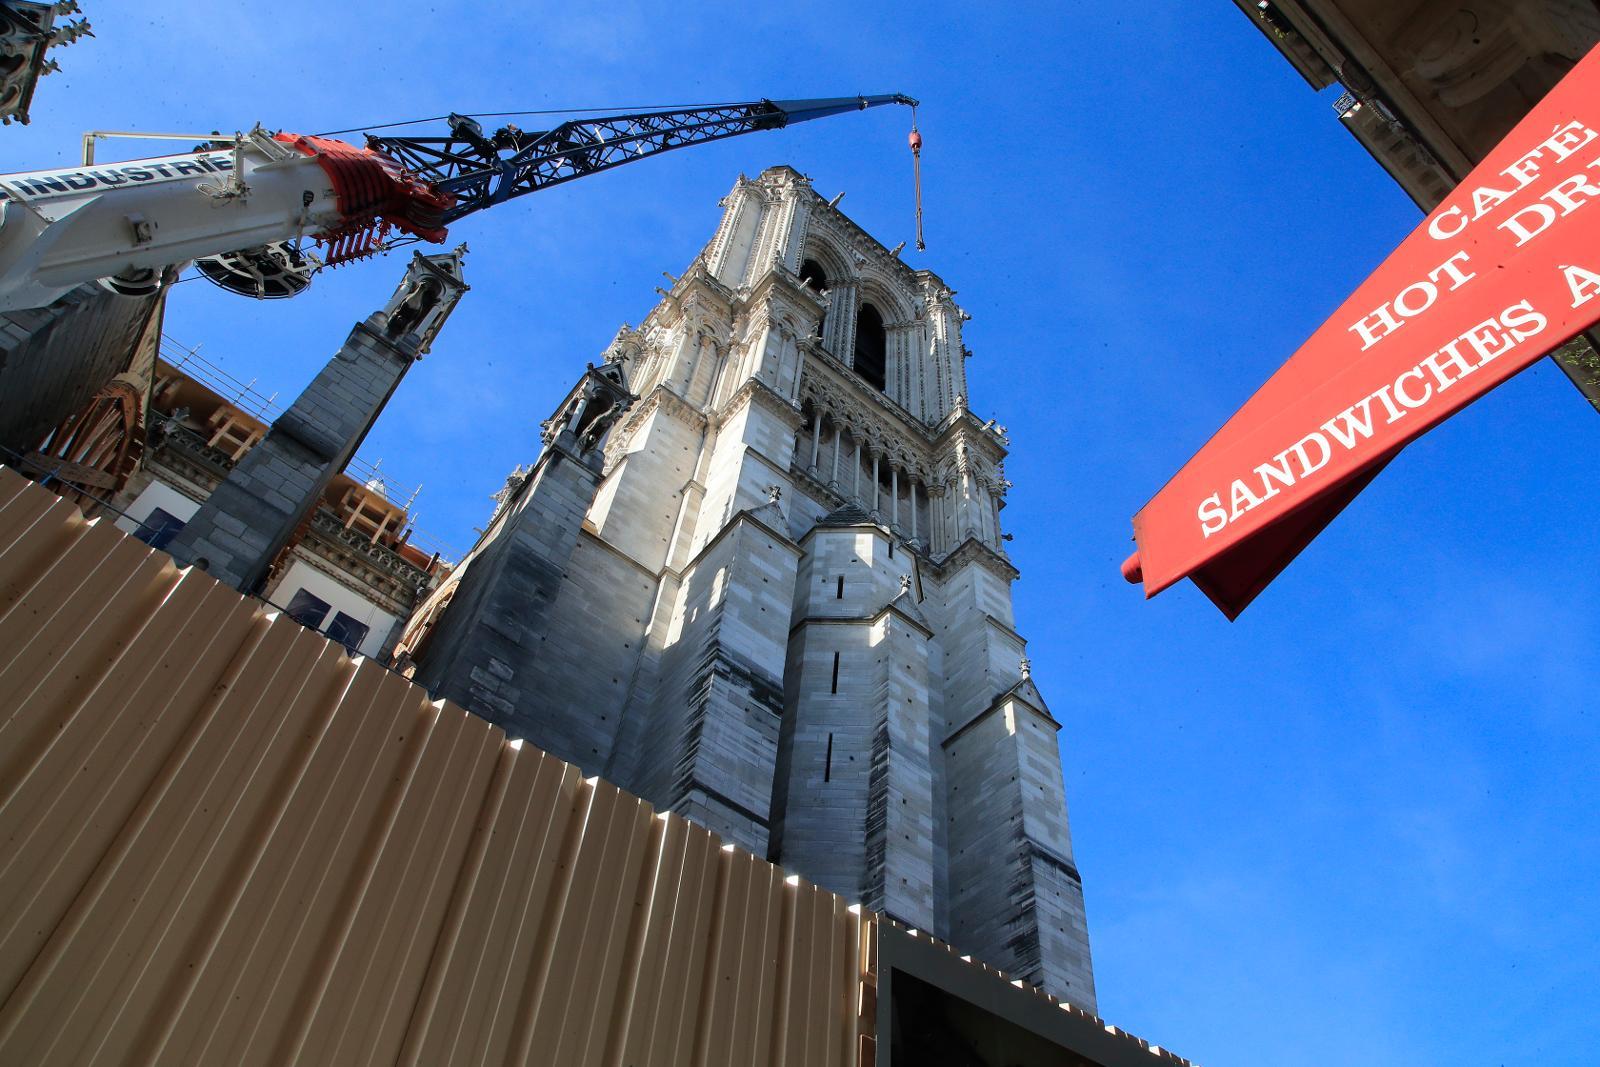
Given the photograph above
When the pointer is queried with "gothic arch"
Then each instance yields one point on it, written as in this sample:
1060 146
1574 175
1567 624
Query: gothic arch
828 256
92 452
897 306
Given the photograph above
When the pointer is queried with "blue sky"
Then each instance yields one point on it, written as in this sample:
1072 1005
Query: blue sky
1355 827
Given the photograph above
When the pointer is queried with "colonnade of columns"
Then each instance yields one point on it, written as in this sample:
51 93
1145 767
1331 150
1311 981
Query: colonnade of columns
939 516
859 471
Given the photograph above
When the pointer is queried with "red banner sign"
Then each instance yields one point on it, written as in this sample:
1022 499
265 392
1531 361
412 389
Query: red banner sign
1506 269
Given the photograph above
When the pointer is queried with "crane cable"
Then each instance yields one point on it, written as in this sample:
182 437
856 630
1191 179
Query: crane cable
579 111
916 170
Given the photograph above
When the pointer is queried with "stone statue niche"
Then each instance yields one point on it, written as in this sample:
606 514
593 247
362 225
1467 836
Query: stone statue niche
581 423
426 296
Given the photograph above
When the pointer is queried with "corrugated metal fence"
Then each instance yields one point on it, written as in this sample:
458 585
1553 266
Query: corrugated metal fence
226 842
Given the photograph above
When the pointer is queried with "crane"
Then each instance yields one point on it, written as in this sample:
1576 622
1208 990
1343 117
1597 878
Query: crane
239 208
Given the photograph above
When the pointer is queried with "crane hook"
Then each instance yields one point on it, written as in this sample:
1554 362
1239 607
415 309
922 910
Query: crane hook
915 140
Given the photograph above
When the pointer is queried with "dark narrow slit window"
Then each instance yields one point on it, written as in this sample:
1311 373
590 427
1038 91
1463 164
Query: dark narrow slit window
835 688
827 761
840 594
891 550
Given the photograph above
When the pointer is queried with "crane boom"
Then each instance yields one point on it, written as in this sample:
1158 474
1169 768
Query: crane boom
237 206
480 170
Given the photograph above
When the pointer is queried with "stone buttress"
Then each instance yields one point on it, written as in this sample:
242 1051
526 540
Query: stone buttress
240 529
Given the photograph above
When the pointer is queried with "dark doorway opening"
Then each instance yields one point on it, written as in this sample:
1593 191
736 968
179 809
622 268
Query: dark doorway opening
872 347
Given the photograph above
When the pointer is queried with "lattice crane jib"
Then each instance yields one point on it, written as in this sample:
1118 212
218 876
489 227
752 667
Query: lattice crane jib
240 207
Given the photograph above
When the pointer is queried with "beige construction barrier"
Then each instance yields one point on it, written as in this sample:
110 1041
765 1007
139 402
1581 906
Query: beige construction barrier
226 842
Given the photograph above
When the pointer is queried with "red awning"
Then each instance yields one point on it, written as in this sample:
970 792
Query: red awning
1506 269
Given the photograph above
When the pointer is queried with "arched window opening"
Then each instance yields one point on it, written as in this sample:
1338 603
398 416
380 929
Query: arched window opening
100 446
872 347
812 274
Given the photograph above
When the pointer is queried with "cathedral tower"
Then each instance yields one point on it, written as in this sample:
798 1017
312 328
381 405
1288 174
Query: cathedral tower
757 576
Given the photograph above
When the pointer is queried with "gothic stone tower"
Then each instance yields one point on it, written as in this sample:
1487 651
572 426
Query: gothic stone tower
757 576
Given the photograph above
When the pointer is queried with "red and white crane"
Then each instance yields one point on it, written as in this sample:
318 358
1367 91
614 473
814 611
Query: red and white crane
241 207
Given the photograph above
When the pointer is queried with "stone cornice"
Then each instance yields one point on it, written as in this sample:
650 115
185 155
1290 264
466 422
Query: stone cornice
871 404
191 468
1065 866
864 620
588 530
777 472
746 515
974 551
834 620
964 424
697 280
844 229
664 399
756 391
1015 696
994 706
778 281
1008 630
369 569
892 608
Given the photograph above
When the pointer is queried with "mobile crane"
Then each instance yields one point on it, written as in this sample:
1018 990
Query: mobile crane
240 208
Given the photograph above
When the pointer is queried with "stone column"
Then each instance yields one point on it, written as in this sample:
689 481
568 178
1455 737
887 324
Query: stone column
855 488
834 480
913 509
239 531
816 435
894 495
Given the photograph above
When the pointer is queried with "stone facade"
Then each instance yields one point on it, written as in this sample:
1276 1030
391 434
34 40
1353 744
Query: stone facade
770 592
244 525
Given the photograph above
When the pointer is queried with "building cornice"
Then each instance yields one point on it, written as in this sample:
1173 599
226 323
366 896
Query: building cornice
893 608
963 424
890 608
661 398
1011 696
974 551
746 515
588 530
697 281
778 281
846 231
838 389
753 392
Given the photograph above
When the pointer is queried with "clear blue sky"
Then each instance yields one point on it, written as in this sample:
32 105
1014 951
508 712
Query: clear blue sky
1356 827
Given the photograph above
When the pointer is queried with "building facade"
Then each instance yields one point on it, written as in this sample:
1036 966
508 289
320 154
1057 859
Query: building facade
351 572
150 447
757 575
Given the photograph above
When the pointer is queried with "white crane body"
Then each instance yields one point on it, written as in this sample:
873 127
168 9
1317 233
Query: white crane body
60 228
